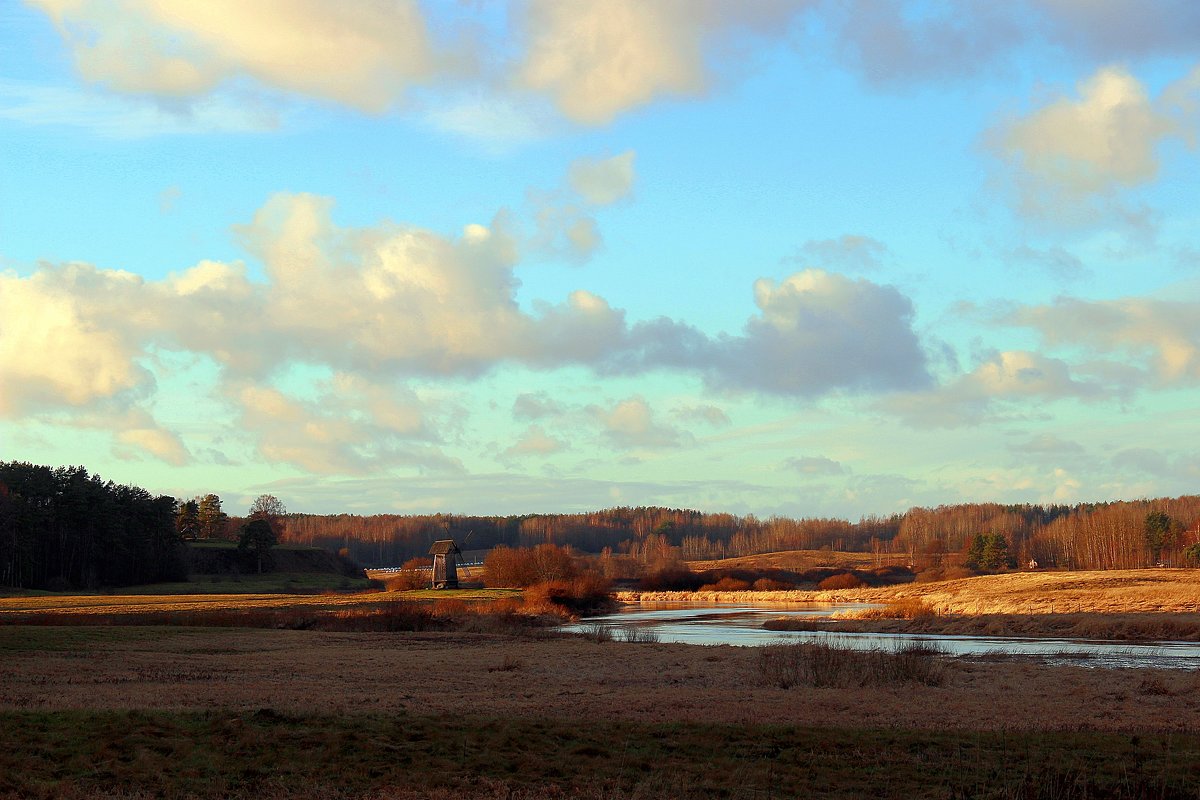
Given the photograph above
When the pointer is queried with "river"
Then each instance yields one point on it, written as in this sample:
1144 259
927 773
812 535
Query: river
741 624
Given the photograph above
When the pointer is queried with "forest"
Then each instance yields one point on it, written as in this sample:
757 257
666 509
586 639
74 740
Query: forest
1109 535
61 528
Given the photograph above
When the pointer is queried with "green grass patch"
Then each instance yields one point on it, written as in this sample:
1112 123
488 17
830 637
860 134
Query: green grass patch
271 754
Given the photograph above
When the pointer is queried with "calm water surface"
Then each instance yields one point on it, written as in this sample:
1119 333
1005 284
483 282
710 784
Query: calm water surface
741 624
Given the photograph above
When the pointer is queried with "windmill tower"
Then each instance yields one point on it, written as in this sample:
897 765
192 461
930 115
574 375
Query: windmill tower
445 564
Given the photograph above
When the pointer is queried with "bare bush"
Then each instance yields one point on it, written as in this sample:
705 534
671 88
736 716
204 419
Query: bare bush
726 585
584 594
411 576
526 566
771 585
843 580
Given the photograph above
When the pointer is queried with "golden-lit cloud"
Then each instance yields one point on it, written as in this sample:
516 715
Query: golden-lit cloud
363 54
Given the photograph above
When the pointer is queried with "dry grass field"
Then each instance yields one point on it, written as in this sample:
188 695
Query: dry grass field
1130 591
799 561
1147 604
108 706
185 712
14 609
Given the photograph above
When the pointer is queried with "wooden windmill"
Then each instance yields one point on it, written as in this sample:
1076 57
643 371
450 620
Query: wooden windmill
445 564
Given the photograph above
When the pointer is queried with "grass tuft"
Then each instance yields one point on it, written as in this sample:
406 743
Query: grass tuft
825 664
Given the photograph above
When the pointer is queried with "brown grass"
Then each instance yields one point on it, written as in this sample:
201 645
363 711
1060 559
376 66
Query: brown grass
821 664
571 678
1098 592
795 561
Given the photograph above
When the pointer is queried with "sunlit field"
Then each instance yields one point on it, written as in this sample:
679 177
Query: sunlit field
219 712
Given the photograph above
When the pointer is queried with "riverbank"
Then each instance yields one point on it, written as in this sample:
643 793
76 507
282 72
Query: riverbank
1109 627
1128 591
1122 605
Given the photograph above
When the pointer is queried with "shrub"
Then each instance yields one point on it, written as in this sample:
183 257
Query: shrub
586 594
771 585
843 580
411 576
726 585
526 566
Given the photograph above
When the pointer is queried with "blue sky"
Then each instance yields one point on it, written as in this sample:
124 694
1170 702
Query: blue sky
803 258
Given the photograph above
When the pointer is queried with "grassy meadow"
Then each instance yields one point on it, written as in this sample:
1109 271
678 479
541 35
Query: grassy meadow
221 712
329 693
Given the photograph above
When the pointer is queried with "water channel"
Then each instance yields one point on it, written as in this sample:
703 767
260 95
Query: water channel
741 624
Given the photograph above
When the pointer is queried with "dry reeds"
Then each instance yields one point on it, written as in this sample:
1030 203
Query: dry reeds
825 664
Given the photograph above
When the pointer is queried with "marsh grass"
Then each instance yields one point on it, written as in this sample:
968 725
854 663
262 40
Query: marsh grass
268 754
826 664
639 634
596 632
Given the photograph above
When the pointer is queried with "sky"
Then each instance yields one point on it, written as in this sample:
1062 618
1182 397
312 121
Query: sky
823 259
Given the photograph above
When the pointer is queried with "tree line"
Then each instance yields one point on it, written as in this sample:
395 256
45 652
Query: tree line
1083 536
62 527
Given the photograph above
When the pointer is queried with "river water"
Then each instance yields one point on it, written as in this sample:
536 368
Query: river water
741 624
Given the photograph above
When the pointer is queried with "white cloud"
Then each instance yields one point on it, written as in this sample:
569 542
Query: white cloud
352 427
631 424
1167 332
598 60
1070 153
66 338
534 442
361 54
603 181
1013 377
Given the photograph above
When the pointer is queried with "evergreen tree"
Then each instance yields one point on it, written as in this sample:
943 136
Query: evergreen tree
210 517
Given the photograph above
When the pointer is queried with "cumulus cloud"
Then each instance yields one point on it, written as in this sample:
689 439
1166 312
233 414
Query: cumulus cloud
817 331
360 54
597 60
631 424
534 442
1009 376
603 181
351 427
1165 332
1073 150
374 307
69 335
